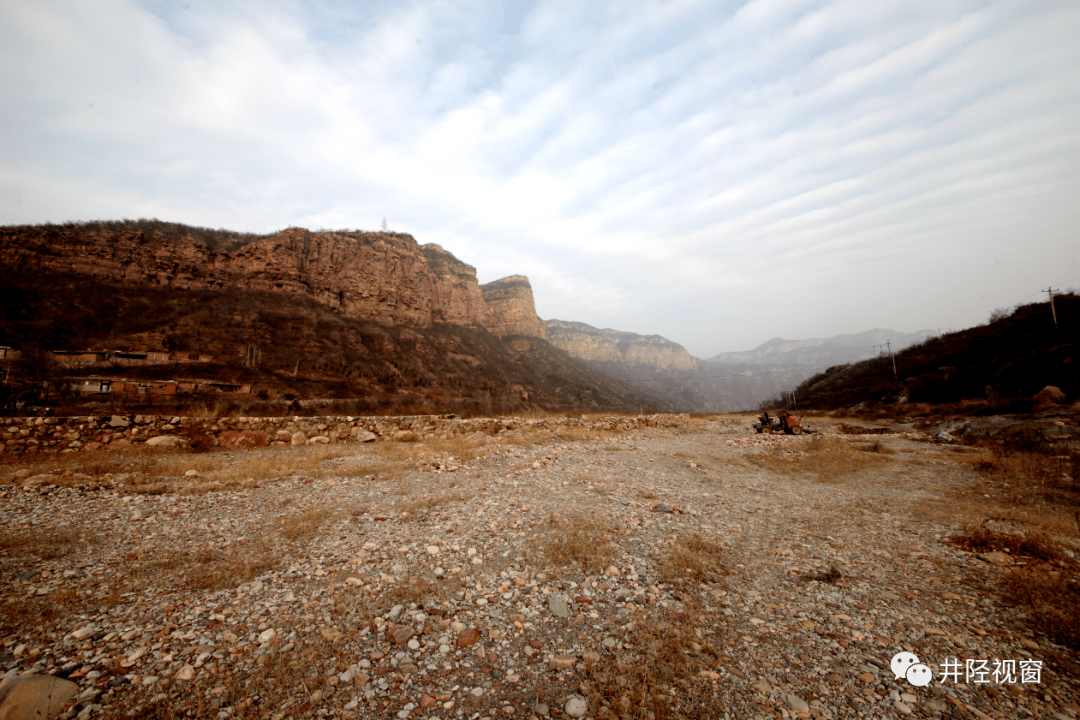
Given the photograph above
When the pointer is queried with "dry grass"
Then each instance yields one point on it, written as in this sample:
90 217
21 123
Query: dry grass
1033 544
581 540
48 611
1047 587
692 558
1051 600
829 460
277 682
415 503
1029 484
46 544
877 447
419 590
658 676
216 569
302 525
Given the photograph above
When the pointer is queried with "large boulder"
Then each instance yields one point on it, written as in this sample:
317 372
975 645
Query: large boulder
1050 395
34 696
361 435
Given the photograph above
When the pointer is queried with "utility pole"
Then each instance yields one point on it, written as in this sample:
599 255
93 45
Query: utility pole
1050 292
888 344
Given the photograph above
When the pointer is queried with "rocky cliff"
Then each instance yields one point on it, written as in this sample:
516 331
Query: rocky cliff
607 345
385 277
510 308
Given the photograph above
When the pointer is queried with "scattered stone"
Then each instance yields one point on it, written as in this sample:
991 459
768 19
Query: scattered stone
557 606
562 662
239 439
796 703
468 637
663 507
84 631
166 441
575 707
400 634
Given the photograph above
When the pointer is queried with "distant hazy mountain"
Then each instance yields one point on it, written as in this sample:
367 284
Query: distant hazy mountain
607 345
726 382
823 352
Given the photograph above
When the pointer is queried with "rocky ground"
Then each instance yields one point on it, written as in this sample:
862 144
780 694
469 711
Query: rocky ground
688 572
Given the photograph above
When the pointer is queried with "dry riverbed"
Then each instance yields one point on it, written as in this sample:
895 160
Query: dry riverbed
701 571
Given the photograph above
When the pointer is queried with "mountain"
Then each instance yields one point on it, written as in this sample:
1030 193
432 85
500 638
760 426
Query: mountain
374 319
380 276
607 345
823 352
726 382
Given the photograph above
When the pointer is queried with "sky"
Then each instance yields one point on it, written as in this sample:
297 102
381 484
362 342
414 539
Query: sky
719 173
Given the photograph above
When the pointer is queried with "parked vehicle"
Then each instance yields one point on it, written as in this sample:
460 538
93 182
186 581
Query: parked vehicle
790 424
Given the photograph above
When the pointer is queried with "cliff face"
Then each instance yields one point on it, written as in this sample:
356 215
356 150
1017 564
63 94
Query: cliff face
589 343
510 308
386 277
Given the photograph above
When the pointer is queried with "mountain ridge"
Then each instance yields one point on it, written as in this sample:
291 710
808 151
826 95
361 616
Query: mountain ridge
380 276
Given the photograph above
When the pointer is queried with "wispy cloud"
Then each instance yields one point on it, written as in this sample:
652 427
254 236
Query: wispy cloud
718 173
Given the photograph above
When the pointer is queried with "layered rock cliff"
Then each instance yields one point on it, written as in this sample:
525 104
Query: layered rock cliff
386 277
607 345
510 308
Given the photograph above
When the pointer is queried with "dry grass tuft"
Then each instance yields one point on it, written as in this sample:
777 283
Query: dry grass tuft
46 544
693 558
277 682
877 447
302 525
828 459
828 576
415 503
658 677
1033 544
419 590
219 569
1047 589
582 540
1051 599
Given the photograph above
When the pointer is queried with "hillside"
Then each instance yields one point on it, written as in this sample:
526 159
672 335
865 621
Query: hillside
380 276
372 318
1011 358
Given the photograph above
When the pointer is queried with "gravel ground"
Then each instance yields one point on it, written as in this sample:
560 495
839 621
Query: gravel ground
442 595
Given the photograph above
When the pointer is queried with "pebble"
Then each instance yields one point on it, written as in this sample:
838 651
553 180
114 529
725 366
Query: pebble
575 707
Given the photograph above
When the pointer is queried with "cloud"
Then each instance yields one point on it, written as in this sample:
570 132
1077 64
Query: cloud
652 166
